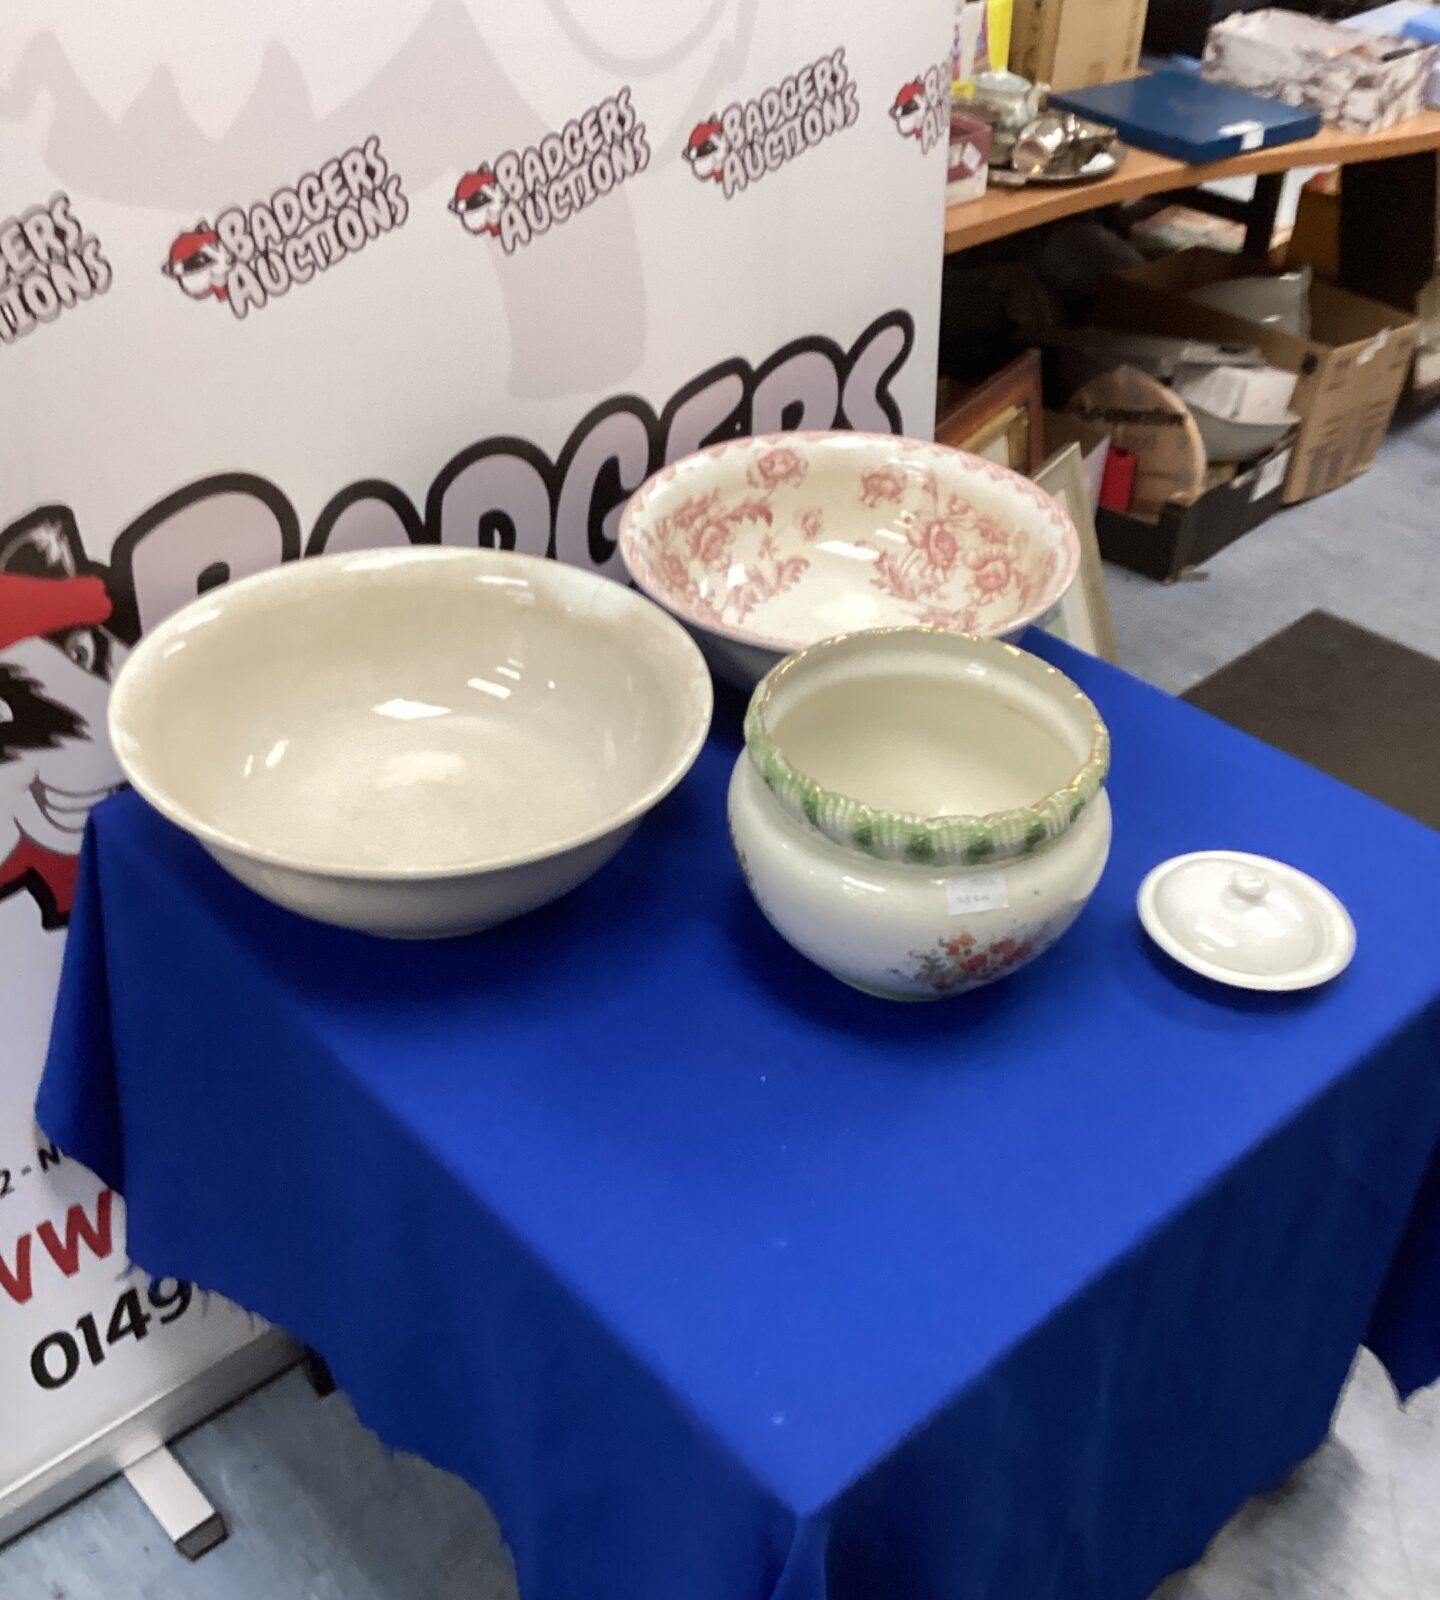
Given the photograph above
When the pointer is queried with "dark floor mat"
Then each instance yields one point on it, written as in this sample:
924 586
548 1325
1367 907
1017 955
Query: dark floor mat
1355 704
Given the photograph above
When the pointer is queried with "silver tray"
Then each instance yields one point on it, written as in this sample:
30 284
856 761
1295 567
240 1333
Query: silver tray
1098 166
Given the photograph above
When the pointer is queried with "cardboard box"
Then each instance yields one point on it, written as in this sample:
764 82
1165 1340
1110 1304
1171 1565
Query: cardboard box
1185 536
1071 44
1315 239
1351 369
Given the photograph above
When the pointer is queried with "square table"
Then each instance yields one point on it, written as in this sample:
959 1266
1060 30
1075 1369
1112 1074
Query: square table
722 1281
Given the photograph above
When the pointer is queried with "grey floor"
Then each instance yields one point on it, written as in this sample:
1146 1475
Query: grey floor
319 1510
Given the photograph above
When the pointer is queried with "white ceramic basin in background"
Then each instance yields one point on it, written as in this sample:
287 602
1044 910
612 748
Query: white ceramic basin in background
416 743
1227 440
769 544
1279 301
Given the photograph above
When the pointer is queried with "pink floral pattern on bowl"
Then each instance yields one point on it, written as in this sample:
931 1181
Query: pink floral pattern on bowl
948 538
698 538
778 541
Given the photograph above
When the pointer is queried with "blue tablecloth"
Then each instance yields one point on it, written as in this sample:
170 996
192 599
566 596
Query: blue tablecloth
723 1282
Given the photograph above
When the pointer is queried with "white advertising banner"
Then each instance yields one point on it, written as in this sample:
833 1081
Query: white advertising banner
277 279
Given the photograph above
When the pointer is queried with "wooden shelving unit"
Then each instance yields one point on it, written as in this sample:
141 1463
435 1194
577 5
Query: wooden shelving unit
1006 211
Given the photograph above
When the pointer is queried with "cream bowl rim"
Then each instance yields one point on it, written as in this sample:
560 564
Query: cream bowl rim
694 688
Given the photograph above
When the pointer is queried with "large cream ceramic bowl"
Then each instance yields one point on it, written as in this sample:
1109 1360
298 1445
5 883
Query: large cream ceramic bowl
412 742
766 545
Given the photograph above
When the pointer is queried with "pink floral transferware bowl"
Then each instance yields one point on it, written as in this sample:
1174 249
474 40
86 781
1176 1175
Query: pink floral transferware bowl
769 544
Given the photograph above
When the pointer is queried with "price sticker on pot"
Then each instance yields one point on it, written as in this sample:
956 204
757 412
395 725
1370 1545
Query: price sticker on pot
985 891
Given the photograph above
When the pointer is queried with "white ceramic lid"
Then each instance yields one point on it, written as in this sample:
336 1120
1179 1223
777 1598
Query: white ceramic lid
1246 920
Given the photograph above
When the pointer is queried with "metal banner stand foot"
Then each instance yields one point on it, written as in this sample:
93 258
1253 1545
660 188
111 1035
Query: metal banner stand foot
317 1370
177 1504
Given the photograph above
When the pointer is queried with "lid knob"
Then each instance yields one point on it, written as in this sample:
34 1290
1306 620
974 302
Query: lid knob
1249 884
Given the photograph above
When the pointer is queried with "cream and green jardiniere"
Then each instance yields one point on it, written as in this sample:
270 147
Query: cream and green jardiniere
920 812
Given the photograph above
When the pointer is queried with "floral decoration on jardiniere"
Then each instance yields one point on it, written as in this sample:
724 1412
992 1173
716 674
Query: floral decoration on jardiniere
965 961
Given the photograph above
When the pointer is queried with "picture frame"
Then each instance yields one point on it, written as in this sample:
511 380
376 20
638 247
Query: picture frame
1083 616
1001 420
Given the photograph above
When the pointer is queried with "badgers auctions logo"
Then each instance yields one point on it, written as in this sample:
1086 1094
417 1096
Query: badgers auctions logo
249 258
526 193
921 110
750 138
48 263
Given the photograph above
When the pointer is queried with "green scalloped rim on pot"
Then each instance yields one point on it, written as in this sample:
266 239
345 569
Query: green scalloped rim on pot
925 841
